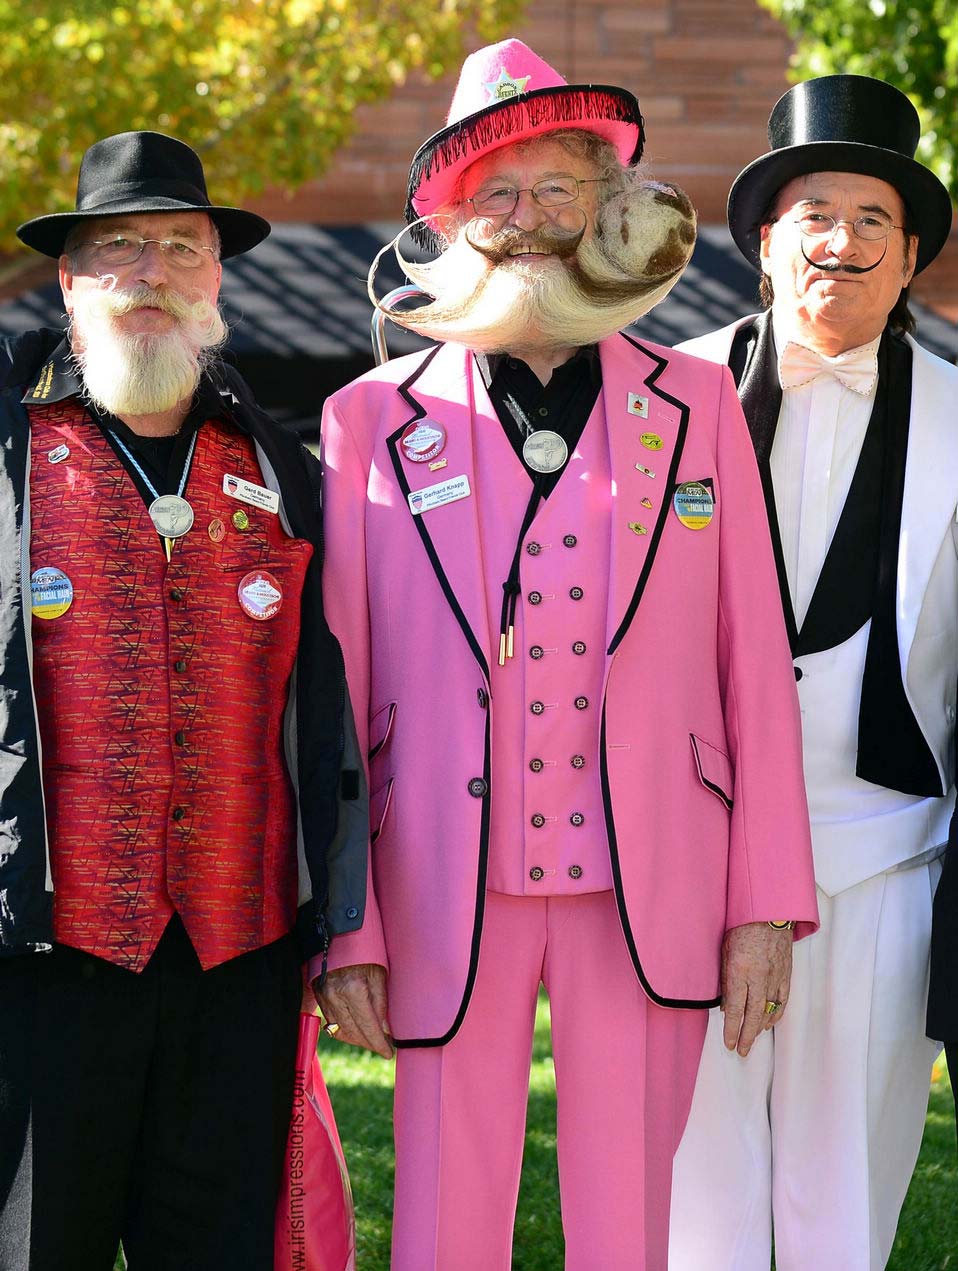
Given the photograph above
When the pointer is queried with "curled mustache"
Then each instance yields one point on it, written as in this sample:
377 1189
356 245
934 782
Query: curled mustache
846 269
547 240
113 302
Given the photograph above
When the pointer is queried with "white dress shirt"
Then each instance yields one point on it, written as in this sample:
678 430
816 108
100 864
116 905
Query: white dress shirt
821 427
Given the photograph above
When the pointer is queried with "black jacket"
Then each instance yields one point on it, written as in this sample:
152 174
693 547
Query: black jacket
325 767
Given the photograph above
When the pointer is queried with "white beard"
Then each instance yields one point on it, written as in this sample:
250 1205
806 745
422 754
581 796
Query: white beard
142 374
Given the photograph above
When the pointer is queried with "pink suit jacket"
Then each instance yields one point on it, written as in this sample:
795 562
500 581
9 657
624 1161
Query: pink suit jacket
700 752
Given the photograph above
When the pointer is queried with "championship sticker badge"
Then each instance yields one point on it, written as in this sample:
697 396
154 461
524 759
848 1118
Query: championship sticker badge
260 595
694 505
51 593
423 440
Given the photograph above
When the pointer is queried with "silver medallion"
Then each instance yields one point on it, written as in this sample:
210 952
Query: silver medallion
544 451
172 516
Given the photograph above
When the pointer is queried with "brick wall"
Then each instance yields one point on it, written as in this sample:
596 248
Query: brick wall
706 73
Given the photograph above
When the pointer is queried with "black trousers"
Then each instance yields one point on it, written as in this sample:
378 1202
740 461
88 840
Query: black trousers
150 1107
951 1056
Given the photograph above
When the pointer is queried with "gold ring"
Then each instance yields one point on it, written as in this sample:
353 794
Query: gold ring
330 1029
772 1007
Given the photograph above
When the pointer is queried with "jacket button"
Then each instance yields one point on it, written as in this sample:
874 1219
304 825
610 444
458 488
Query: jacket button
179 814
533 548
537 708
176 594
576 819
352 912
581 703
578 761
576 593
180 666
575 871
579 647
535 597
538 820
570 540
536 652
537 873
482 698
536 765
478 787
180 738
798 674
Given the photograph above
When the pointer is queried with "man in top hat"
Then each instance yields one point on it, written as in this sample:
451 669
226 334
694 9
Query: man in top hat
853 427
547 566
171 734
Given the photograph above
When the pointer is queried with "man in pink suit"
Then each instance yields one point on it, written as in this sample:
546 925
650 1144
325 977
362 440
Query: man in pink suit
548 565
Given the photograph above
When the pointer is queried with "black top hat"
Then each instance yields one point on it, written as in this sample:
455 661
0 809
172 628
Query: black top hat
842 123
143 172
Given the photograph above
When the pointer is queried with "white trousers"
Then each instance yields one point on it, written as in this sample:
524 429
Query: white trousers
818 1130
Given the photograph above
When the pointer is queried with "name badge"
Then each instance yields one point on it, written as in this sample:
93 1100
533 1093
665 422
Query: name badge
436 496
256 496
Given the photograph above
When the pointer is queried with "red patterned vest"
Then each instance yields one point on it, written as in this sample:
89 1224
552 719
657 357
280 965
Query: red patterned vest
161 701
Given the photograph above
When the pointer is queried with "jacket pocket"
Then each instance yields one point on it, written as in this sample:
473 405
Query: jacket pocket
380 726
379 802
714 769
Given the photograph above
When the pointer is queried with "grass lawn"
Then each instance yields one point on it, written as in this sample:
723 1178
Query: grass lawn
361 1089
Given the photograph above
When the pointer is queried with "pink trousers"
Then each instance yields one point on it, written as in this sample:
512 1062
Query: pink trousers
625 1072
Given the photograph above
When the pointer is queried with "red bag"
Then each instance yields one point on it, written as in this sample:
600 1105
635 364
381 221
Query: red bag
315 1223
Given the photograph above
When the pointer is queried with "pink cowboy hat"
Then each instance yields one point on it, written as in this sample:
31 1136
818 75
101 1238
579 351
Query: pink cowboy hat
505 94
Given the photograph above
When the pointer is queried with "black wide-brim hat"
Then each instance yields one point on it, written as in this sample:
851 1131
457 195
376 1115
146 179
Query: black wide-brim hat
143 172
842 123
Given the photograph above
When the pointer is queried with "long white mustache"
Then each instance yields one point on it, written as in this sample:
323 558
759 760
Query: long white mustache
145 374
491 302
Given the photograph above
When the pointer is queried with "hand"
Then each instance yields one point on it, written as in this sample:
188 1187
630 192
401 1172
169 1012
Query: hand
756 968
354 997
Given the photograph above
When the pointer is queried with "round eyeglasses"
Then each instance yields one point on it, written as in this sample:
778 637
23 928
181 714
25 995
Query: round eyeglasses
124 249
500 200
869 227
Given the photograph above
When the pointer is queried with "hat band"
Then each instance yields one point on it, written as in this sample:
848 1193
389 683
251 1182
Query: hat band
191 195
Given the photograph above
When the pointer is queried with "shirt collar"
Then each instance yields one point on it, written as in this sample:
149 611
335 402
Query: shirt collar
490 363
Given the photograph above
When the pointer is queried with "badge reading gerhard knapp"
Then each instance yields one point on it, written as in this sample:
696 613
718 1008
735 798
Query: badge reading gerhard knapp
544 451
172 516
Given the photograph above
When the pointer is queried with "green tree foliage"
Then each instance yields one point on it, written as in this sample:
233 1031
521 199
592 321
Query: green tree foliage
265 90
912 44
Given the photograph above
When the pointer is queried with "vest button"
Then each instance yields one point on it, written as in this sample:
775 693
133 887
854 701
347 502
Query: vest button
576 593
798 674
535 597
179 814
578 761
579 647
180 738
536 652
533 548
176 594
352 912
581 703
575 871
570 540
478 787
537 873
576 819
536 765
482 698
536 707
179 665
538 820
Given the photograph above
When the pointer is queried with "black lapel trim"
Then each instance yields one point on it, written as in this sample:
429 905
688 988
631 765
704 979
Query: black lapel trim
661 364
752 362
393 443
675 1002
402 389
479 911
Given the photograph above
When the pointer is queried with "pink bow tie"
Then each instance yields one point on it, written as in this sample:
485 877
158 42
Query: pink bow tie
856 369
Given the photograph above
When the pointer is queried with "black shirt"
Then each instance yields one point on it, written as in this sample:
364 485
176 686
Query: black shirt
524 404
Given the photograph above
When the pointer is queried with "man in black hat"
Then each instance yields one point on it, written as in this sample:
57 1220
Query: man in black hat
853 426
171 732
